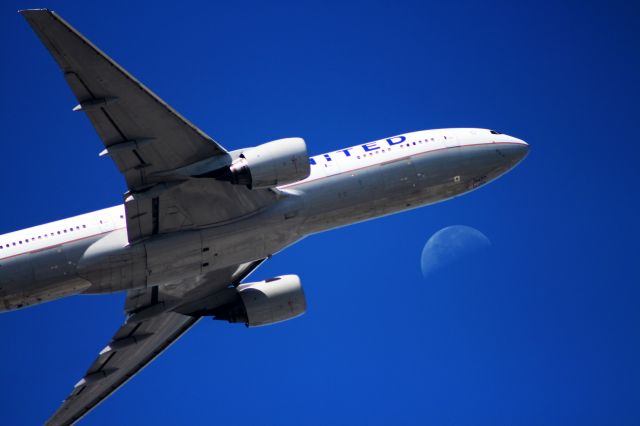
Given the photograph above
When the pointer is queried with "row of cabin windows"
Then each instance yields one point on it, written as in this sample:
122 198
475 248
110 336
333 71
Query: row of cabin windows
39 237
407 145
378 151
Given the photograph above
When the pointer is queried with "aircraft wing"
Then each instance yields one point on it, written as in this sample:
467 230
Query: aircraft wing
155 148
152 325
142 134
132 347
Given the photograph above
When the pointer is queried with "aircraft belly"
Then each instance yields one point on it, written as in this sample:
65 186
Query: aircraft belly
223 247
44 292
39 277
111 264
397 185
233 248
401 185
342 199
453 172
172 258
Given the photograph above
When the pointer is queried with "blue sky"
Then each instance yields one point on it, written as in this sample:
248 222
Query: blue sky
542 329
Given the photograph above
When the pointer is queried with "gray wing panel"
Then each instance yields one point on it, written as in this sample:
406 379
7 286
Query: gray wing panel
132 348
142 134
153 325
193 204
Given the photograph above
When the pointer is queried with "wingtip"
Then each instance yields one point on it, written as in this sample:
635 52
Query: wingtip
24 12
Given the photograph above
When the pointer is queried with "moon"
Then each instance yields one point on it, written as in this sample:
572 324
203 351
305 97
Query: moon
450 245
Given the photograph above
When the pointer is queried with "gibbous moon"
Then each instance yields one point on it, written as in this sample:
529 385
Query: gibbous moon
450 245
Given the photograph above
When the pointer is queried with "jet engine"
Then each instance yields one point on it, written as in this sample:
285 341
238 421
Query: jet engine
271 164
266 302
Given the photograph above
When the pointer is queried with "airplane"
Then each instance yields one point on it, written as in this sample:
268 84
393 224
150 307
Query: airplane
198 219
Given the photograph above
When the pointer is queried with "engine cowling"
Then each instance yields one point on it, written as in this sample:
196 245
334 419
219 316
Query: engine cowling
271 164
266 302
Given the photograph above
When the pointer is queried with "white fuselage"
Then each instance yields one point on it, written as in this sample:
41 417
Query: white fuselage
76 255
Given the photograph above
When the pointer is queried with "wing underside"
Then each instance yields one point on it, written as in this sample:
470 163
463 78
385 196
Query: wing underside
141 133
132 348
153 324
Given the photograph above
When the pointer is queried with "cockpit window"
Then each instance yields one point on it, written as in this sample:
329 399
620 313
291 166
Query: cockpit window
493 132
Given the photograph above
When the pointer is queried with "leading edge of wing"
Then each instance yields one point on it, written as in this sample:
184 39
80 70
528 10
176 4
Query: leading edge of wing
97 384
141 132
31 15
139 341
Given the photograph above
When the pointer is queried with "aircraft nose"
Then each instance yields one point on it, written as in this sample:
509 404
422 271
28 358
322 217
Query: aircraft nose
521 150
514 152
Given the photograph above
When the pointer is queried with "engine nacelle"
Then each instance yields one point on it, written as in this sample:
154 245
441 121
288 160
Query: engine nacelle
266 302
271 164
